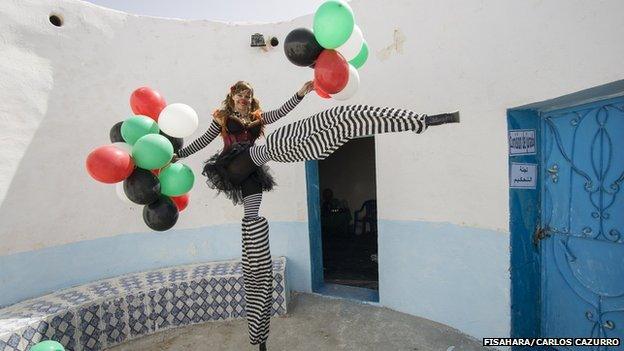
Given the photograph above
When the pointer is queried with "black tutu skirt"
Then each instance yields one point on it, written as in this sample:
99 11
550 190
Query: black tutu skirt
218 178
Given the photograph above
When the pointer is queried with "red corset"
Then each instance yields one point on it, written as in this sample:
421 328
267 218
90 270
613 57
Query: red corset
239 133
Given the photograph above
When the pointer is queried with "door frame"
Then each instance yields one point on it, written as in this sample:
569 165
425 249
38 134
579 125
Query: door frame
317 277
524 219
314 225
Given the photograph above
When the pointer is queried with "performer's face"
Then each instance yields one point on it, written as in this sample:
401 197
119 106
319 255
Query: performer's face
242 99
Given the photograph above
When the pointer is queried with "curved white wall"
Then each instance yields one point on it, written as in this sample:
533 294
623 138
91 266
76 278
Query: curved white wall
71 84
63 88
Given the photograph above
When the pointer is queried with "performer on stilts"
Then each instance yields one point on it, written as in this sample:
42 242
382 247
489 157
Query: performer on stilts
239 170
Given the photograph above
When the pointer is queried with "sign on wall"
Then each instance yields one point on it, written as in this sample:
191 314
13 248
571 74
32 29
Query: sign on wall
523 176
522 142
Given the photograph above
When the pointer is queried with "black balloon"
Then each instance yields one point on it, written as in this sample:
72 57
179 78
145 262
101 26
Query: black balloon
176 142
115 133
301 47
161 214
142 187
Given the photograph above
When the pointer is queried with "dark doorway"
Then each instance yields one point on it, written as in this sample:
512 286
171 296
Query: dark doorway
349 215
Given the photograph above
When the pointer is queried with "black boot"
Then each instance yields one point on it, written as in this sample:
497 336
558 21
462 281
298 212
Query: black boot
443 118
263 346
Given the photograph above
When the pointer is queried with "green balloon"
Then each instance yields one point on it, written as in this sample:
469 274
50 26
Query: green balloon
135 127
359 60
152 151
176 179
48 345
333 24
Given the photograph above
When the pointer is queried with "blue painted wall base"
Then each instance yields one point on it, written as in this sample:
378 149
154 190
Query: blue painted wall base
35 273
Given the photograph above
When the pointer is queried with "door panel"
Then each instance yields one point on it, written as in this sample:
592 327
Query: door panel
582 170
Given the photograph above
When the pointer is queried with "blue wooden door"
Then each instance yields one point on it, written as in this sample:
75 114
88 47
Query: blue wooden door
582 253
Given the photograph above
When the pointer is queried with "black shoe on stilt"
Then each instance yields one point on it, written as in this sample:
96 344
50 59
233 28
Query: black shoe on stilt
263 347
443 118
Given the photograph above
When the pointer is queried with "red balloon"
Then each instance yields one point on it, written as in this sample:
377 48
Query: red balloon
331 71
319 91
156 172
109 164
181 201
147 102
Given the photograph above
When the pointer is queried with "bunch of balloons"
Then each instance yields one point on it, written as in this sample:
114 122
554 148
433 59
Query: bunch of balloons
336 49
139 157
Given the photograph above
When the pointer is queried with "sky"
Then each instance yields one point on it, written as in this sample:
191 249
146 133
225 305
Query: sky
221 10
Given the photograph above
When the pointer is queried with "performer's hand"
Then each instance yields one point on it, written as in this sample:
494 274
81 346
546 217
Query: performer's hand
306 88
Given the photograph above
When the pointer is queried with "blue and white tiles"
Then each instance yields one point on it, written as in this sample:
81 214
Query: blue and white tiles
115 319
131 282
108 312
60 327
139 316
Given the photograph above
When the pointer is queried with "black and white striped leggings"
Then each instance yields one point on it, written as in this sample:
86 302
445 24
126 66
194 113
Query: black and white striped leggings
313 138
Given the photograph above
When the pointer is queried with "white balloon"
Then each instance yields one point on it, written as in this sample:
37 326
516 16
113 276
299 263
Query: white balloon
121 194
352 85
178 120
351 48
123 146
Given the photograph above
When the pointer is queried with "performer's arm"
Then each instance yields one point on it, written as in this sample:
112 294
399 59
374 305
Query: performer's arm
272 116
201 142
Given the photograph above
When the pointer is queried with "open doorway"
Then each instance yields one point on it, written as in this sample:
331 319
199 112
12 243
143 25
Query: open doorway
349 215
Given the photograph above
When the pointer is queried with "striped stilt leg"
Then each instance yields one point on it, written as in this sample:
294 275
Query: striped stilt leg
258 277
316 137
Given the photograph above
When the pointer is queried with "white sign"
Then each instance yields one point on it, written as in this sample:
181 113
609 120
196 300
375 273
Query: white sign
523 176
522 142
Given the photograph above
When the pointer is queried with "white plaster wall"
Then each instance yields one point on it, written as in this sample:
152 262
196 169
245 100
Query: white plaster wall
480 57
66 86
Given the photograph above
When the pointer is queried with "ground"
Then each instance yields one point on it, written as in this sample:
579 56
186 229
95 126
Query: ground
317 323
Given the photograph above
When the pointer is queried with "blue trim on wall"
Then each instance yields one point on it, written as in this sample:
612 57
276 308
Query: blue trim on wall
441 265
39 272
314 223
524 207
451 274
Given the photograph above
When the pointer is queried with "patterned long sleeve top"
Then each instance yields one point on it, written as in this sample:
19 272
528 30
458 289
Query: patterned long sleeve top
273 115
215 128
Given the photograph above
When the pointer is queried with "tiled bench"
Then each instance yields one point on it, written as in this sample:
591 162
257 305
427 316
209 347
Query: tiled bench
108 312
